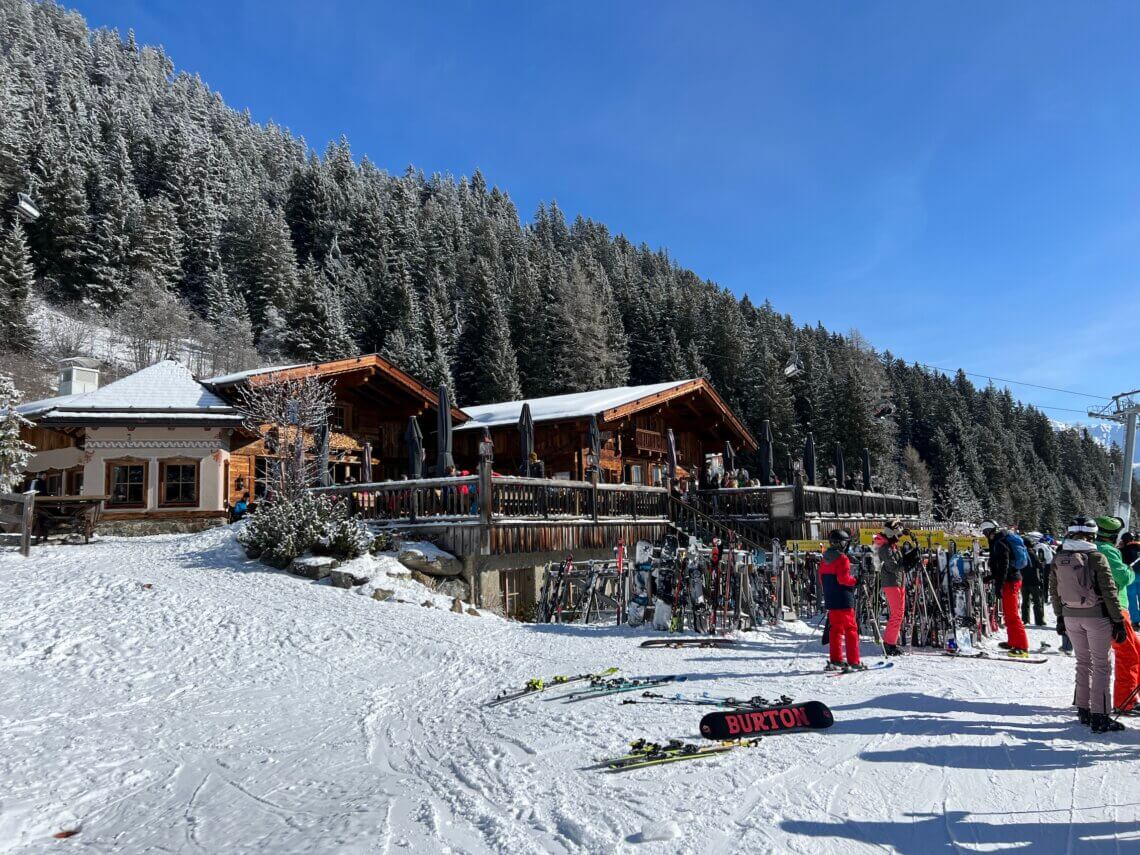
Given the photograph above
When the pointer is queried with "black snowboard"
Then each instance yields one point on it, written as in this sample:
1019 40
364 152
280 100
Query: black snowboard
809 715
689 642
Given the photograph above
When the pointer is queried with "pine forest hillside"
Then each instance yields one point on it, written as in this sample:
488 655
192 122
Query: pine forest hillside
161 202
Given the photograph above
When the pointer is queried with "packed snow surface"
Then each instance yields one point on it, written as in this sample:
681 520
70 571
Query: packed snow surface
165 694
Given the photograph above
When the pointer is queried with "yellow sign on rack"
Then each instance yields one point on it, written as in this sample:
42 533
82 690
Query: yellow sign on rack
926 539
805 545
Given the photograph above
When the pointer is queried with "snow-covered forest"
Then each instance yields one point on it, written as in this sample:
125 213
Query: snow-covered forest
161 202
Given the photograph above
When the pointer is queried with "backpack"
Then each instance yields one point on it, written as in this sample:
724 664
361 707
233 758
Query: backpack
1018 554
1076 581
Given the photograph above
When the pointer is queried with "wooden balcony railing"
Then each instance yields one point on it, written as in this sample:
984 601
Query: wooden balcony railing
510 498
648 440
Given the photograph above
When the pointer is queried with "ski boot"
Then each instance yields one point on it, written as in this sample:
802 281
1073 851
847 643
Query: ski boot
835 666
892 650
855 666
1101 723
1084 716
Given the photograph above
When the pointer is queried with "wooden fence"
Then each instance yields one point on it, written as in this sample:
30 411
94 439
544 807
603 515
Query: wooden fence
16 510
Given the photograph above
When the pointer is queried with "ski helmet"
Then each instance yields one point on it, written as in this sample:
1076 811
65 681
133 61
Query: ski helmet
1109 528
1081 524
988 526
1129 537
893 529
839 537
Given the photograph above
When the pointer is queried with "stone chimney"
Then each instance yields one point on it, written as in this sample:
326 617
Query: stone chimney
78 375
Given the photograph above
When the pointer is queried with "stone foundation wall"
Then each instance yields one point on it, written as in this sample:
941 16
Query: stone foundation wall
143 527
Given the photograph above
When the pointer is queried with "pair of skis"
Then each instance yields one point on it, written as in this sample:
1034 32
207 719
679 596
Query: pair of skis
537 685
643 754
705 700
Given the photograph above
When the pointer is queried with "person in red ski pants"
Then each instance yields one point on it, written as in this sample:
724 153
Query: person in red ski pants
839 599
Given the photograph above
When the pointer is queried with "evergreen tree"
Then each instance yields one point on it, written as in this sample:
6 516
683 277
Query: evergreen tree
14 452
16 279
486 370
316 330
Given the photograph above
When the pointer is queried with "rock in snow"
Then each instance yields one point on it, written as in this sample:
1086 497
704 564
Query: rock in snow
657 831
313 566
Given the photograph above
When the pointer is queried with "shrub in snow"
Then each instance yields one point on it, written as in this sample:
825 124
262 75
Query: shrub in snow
383 542
344 536
282 529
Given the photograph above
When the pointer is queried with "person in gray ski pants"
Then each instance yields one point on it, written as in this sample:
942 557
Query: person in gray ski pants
1087 607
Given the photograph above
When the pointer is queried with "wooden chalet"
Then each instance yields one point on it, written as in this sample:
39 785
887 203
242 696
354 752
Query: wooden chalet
374 400
633 421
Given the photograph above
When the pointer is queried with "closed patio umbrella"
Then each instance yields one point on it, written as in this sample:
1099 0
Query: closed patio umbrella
767 463
595 436
415 440
443 458
366 463
840 466
671 442
526 437
729 458
867 469
809 460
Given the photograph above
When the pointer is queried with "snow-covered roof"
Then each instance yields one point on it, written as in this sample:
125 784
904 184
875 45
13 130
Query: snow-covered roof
238 376
572 406
164 390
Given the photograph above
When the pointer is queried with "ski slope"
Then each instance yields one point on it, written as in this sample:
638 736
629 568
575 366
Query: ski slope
230 708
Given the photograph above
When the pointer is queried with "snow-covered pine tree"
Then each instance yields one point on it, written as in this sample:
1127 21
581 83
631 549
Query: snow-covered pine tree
156 245
16 280
14 452
486 370
316 329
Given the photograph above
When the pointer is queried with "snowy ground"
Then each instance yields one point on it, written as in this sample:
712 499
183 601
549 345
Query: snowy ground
229 708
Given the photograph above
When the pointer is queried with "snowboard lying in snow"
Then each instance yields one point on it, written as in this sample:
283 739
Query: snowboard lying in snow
786 718
689 642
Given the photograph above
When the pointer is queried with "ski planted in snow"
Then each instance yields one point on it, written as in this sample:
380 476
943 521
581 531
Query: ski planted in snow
785 718
601 688
537 685
689 642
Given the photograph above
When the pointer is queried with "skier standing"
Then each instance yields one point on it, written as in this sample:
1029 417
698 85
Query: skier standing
1035 578
1126 648
1130 552
1087 606
1008 556
839 600
889 559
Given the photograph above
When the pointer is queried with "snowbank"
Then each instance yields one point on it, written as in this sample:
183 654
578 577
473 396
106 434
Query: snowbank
166 694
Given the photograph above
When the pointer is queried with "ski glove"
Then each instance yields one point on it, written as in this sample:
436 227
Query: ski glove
1119 633
1060 625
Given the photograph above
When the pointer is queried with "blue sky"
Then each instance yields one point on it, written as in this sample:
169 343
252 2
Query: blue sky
959 181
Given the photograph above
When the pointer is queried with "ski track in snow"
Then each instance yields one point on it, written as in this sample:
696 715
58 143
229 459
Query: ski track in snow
232 708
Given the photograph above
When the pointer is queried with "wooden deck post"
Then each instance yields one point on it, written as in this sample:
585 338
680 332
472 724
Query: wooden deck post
594 494
486 498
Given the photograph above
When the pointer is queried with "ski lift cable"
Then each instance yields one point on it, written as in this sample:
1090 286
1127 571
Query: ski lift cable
929 367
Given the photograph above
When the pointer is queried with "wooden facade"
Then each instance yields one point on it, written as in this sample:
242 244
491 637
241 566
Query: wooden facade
634 445
374 400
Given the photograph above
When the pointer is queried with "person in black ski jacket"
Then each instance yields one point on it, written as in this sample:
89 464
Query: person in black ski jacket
1007 582
1035 579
